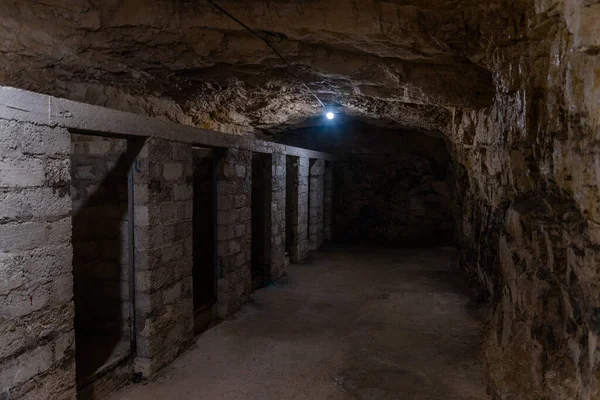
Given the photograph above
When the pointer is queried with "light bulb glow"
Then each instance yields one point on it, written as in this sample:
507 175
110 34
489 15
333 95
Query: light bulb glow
330 115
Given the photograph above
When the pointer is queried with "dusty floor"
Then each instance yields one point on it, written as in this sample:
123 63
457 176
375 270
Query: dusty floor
352 323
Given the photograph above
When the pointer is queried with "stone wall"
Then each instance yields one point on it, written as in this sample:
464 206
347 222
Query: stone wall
278 204
527 195
395 189
316 202
302 226
163 253
297 202
37 340
328 201
392 199
234 180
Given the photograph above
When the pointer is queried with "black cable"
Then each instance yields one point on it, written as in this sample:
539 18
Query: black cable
287 64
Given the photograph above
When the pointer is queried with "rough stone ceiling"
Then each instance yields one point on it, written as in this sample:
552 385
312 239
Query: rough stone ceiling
406 62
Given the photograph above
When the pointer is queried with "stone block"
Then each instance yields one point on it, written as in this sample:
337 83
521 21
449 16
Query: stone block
24 236
224 202
34 204
58 171
172 171
141 216
240 171
25 138
225 232
226 217
24 172
183 192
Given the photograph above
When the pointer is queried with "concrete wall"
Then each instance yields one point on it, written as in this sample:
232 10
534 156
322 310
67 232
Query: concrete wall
163 253
37 340
234 180
316 198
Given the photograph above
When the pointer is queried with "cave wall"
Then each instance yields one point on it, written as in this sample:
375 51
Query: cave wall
528 214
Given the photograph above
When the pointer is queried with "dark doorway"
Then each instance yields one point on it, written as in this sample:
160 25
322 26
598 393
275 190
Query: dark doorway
102 270
204 237
261 219
291 207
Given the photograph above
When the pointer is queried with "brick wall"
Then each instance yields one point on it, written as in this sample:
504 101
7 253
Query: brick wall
316 203
163 257
234 184
37 341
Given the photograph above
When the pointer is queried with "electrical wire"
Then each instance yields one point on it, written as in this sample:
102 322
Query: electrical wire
287 64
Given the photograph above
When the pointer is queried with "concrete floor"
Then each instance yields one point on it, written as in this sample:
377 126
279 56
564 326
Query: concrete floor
351 323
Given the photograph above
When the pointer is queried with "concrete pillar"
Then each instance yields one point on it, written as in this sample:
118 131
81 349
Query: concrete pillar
234 230
37 339
163 196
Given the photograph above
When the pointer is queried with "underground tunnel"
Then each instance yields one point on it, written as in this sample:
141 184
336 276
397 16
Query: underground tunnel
285 199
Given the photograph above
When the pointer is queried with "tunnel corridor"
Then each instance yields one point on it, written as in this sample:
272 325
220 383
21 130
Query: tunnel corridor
318 199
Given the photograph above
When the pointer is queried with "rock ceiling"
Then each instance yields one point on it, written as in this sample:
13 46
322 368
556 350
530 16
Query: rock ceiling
405 63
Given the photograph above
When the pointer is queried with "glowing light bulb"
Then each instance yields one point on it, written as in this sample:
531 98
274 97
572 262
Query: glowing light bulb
330 115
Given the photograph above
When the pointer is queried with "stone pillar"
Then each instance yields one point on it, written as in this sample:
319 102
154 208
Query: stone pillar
327 200
37 339
301 236
163 195
278 216
316 197
234 231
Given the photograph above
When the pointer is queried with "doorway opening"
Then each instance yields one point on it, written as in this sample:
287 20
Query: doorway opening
261 220
204 271
101 190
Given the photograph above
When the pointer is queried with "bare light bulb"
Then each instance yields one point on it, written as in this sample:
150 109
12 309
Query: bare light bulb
330 115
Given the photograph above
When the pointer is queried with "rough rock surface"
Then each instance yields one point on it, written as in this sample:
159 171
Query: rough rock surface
514 86
188 62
